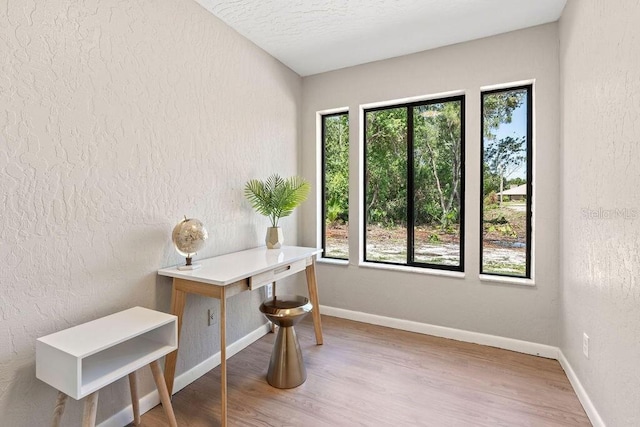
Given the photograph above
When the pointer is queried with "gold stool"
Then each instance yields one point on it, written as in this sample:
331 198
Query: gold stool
286 368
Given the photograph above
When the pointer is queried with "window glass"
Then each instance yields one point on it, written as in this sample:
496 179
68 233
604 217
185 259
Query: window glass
335 185
437 172
506 182
414 179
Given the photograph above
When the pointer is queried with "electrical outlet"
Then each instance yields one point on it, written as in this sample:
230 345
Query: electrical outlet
212 319
268 291
585 345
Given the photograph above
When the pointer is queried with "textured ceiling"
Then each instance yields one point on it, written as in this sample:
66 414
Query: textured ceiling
313 36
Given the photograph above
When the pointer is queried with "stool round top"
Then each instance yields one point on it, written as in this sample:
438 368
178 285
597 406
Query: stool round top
286 305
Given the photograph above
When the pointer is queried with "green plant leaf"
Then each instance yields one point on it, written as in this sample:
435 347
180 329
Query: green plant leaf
276 197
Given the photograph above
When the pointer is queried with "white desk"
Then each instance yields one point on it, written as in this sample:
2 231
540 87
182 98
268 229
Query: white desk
227 275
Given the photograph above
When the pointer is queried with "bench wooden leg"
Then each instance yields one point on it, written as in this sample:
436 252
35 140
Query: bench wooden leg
59 409
163 392
135 401
90 410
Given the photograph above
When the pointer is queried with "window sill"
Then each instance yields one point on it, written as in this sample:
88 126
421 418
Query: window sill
333 261
408 269
507 280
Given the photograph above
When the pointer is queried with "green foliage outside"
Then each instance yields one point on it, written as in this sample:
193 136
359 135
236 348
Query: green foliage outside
336 158
498 108
386 167
437 164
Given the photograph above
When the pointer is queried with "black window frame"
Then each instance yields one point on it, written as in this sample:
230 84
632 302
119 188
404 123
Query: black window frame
529 226
410 185
323 171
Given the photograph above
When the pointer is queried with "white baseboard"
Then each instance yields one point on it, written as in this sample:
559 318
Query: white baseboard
149 401
526 347
586 402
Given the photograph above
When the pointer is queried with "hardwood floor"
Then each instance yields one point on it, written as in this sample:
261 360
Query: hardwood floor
367 375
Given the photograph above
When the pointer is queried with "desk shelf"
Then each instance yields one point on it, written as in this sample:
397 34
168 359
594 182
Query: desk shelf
87 357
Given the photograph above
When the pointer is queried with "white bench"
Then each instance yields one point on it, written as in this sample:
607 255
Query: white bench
79 361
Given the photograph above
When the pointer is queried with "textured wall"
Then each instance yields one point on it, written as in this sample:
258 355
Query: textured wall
520 312
600 63
116 118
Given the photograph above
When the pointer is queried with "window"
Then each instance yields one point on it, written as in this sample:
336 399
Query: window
414 184
335 185
506 182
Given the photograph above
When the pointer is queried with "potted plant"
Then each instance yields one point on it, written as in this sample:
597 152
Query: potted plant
276 198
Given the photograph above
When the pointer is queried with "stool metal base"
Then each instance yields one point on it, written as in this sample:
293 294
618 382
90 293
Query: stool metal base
286 367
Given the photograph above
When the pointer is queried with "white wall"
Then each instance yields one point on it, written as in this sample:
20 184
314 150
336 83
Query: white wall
116 118
525 313
600 64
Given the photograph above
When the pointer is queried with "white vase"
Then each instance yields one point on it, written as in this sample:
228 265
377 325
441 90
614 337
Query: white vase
274 239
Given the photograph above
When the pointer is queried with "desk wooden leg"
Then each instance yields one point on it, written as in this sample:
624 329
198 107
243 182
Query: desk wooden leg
273 294
59 409
163 392
223 358
90 410
135 401
313 295
178 300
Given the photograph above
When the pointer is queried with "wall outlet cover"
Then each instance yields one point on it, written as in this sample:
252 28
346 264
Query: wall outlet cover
585 345
212 319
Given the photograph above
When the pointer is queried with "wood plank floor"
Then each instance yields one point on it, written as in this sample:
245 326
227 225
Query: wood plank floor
367 375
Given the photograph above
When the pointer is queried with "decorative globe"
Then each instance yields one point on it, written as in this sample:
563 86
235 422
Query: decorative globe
188 237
